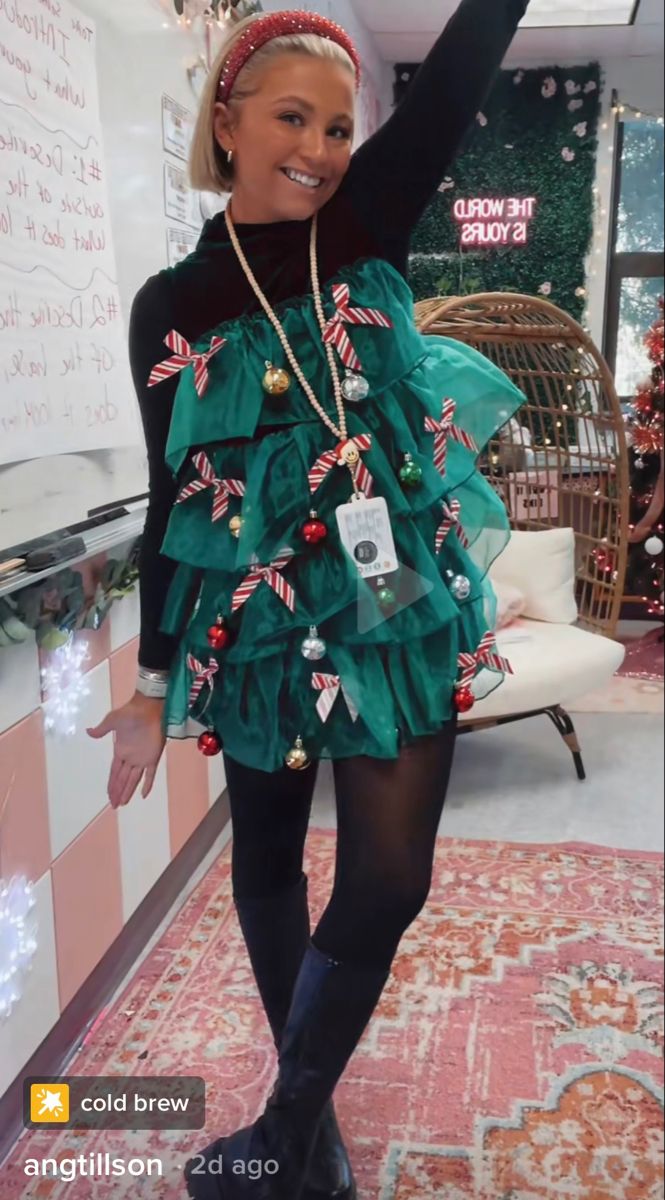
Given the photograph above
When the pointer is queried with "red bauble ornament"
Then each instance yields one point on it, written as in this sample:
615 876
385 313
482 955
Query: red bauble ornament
464 700
209 744
218 636
314 532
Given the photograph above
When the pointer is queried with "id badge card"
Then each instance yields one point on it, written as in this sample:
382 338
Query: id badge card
366 534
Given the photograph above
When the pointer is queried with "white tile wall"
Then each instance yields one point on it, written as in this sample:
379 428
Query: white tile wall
145 849
19 683
39 1007
217 778
78 767
125 619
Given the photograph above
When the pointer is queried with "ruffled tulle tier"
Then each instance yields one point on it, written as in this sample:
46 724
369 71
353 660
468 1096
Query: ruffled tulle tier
397 668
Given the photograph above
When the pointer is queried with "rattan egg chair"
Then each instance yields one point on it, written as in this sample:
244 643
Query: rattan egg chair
564 461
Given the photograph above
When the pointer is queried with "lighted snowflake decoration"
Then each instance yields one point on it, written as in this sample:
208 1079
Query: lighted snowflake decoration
65 687
18 941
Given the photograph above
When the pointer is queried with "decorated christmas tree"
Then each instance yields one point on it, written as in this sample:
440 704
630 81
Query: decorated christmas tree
645 577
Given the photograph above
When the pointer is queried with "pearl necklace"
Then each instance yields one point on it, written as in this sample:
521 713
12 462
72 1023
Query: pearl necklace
340 431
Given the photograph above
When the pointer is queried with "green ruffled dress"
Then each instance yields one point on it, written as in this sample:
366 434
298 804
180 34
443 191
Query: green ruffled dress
398 668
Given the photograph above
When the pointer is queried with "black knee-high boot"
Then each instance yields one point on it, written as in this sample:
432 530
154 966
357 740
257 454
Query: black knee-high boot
276 930
332 1005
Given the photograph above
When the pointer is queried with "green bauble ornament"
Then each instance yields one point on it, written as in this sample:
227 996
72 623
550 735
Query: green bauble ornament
411 475
385 596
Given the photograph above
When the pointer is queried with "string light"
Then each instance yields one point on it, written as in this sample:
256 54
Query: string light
621 107
18 940
65 687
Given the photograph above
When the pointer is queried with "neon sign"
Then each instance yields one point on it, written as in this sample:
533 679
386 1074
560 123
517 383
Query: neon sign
494 221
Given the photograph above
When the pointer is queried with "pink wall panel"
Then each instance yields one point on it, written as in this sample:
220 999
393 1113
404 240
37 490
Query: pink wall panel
25 844
188 785
87 902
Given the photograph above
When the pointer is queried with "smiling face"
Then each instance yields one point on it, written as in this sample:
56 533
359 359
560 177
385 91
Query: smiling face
291 138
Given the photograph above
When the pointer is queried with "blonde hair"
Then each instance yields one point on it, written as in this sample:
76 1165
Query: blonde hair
209 170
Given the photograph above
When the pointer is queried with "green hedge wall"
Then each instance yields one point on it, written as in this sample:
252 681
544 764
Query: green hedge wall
523 144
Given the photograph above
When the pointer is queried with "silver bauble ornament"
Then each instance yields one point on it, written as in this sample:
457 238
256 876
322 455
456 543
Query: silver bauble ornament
355 388
460 587
313 648
654 546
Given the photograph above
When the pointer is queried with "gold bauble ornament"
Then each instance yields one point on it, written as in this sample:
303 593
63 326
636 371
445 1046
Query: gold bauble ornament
235 526
296 759
276 381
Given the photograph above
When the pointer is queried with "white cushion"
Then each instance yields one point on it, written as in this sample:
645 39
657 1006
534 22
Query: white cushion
541 565
510 603
553 664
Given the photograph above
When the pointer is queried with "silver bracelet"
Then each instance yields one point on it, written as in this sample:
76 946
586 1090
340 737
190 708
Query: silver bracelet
153 684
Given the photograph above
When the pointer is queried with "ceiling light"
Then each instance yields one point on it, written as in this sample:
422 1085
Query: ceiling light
543 13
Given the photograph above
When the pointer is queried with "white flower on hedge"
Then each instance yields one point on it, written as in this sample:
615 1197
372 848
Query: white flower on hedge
518 77
572 88
581 129
447 184
550 87
591 86
579 292
568 155
481 119
575 105
545 289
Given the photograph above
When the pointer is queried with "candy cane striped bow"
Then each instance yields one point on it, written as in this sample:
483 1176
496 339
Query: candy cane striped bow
330 686
270 575
451 520
203 676
486 655
185 356
223 489
324 465
334 332
444 429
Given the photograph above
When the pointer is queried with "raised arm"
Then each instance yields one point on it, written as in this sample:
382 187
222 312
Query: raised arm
152 318
394 175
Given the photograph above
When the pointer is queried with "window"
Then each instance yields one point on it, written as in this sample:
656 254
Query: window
636 273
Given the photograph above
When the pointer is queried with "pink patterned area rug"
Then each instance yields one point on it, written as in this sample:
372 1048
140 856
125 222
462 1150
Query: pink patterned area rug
645 657
516 1053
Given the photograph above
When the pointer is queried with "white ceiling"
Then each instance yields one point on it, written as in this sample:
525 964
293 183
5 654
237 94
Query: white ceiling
552 29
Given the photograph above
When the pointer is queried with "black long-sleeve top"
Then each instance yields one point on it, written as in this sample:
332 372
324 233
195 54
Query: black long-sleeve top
391 179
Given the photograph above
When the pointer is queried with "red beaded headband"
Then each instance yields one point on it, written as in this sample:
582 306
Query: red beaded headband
281 24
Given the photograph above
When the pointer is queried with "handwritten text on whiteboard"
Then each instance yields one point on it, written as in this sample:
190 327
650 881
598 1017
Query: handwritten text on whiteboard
64 378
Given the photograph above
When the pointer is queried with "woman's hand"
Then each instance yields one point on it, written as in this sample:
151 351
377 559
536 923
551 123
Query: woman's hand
139 745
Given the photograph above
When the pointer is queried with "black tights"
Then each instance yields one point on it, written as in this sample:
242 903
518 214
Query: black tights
388 815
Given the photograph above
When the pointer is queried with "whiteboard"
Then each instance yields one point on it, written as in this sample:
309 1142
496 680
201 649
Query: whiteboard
70 436
142 54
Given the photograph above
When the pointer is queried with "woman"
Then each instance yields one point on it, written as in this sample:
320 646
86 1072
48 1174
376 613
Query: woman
309 454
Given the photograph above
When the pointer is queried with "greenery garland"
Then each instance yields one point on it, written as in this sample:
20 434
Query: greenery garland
537 136
54 608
